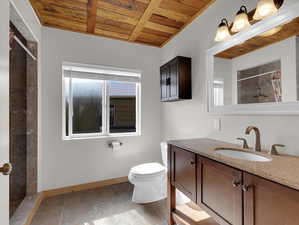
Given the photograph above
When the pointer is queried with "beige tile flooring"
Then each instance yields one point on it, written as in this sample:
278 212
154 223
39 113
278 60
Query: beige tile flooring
109 205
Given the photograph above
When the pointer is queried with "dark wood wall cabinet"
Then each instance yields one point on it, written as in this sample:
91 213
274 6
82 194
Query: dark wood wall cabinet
175 79
231 196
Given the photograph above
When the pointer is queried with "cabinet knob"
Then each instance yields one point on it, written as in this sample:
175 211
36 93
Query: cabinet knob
246 187
236 184
192 162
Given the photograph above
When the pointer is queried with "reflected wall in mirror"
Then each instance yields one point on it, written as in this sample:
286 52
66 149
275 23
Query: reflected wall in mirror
263 69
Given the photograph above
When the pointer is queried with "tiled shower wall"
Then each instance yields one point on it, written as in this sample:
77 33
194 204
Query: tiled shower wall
23 121
18 118
257 89
32 120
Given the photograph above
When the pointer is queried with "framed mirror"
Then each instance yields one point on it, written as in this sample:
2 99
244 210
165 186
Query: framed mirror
256 71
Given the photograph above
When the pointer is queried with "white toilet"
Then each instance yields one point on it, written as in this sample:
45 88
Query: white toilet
150 181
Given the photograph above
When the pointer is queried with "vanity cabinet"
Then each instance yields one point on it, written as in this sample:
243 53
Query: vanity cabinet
183 172
220 191
266 202
175 79
231 196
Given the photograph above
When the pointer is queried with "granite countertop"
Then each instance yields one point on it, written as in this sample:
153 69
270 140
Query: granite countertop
283 169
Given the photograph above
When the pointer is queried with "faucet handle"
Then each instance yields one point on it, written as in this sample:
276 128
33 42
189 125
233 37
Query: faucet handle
245 145
274 149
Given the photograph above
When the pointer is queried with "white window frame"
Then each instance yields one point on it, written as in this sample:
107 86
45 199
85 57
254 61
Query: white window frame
105 102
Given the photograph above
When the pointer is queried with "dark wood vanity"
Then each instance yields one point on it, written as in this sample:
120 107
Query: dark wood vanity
232 196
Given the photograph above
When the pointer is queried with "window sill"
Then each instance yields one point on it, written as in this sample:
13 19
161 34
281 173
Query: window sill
101 136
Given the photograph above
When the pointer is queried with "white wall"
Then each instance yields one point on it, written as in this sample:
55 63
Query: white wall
4 109
189 119
74 162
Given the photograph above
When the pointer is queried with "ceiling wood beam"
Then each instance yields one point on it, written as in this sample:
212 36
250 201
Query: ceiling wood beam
91 16
154 4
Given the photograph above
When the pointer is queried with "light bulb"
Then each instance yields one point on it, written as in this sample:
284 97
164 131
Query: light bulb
265 8
241 21
223 31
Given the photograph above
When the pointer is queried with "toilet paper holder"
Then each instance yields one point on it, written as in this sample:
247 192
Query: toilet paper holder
110 143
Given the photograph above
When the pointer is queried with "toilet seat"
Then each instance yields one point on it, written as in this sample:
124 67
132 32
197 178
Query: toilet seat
147 170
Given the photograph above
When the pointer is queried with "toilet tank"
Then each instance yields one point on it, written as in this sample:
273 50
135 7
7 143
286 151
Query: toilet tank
164 147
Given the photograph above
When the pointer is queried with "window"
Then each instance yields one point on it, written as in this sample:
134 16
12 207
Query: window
218 93
100 101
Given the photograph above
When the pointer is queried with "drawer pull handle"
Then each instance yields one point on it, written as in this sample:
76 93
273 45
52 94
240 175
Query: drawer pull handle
236 184
246 187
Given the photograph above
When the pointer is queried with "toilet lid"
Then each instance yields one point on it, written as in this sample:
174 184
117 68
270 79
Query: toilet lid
148 169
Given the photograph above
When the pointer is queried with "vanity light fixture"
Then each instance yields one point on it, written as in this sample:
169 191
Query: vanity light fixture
265 8
241 21
223 31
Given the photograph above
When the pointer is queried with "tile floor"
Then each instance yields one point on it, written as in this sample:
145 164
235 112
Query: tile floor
14 206
109 205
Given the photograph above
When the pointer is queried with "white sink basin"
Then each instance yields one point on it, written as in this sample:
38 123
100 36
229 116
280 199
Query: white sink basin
242 155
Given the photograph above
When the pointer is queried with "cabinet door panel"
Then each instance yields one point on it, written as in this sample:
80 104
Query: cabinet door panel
164 83
174 80
219 196
184 172
266 203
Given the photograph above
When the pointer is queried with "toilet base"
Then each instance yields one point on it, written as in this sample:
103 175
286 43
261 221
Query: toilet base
148 192
152 195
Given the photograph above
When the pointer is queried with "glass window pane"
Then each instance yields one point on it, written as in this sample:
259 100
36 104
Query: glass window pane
87 106
122 107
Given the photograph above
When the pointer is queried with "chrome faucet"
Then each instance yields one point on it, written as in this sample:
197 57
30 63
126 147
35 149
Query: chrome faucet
257 137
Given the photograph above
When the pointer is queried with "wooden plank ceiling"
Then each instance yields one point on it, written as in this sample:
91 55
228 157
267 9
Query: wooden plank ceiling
151 22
